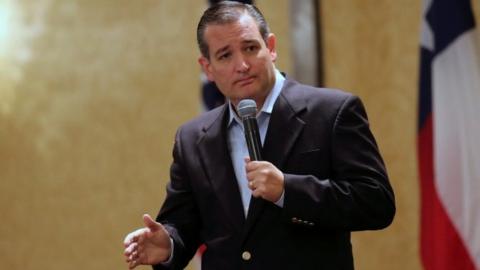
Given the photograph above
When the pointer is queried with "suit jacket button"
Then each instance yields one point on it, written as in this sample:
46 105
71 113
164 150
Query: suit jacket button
246 256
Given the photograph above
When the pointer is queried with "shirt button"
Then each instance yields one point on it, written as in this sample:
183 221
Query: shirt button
246 256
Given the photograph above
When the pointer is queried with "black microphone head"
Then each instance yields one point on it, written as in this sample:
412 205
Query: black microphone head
246 108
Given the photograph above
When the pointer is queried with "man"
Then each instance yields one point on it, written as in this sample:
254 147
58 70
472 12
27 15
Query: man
322 177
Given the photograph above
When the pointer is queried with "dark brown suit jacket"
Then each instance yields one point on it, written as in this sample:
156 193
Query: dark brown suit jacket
335 183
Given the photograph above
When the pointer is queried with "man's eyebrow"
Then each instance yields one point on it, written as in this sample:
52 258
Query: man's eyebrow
250 41
221 50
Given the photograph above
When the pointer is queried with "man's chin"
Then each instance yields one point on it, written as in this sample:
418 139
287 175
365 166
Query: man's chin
248 91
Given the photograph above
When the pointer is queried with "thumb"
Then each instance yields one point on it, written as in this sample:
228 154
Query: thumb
150 223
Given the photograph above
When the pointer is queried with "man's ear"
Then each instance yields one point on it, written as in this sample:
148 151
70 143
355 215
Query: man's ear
271 45
205 64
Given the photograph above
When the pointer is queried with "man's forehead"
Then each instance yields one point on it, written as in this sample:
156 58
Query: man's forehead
226 33
244 23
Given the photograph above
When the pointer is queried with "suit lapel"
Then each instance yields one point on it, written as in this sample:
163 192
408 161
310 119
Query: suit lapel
285 126
283 130
217 164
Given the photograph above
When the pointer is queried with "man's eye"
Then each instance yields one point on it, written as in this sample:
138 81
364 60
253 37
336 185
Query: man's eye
251 48
224 56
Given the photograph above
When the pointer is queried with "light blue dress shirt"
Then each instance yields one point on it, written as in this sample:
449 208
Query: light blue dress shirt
237 145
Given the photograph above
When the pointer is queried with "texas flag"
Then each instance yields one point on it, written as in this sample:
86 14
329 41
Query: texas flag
449 136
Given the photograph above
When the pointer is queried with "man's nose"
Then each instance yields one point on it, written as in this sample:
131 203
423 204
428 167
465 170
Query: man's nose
241 64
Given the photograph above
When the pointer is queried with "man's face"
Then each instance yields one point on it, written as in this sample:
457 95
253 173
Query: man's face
241 62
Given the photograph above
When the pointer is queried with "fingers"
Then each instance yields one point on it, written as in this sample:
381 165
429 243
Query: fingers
133 252
255 184
251 165
133 237
256 187
254 174
133 263
258 192
258 169
264 180
130 249
131 255
136 258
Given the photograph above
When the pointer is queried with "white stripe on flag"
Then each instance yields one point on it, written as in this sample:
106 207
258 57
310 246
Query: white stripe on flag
456 112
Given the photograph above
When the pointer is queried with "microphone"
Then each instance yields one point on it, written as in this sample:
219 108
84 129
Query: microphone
247 109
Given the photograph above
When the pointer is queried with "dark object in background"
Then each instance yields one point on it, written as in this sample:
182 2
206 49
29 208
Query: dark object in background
211 96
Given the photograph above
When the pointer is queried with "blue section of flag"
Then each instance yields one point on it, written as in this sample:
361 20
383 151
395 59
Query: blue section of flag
447 19
425 94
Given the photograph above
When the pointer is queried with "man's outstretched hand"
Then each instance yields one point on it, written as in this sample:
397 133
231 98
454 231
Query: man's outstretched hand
147 246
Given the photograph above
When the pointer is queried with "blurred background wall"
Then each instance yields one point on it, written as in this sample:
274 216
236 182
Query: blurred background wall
372 49
91 93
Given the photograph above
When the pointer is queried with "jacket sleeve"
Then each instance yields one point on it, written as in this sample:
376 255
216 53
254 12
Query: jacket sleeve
357 195
179 213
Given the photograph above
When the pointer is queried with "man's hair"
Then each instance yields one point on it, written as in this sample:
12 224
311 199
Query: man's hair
225 12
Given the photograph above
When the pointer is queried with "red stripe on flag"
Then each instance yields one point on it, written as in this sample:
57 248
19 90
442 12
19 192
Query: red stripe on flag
441 247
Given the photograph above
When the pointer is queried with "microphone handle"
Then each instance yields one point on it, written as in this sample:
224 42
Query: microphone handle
252 136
